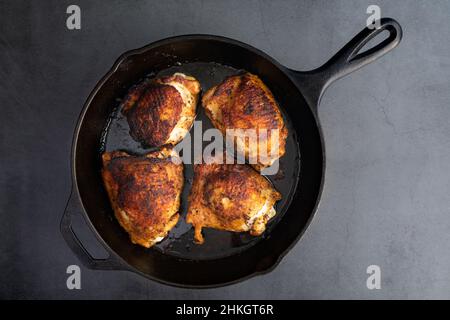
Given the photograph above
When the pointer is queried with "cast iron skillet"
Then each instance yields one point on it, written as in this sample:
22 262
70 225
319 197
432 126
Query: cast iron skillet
226 257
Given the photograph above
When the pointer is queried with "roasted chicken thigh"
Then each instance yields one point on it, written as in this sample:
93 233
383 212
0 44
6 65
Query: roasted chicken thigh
144 192
243 102
232 197
161 111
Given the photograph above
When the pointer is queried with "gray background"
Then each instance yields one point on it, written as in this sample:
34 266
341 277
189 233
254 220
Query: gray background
386 199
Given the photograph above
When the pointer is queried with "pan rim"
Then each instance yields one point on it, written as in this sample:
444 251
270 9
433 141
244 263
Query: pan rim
207 37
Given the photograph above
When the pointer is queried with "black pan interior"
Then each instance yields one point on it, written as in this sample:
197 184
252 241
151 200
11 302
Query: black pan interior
218 244
225 257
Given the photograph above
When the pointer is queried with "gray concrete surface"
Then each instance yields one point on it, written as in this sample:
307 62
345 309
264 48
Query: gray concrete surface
386 200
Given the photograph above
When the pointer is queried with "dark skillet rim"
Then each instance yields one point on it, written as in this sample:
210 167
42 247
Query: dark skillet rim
126 266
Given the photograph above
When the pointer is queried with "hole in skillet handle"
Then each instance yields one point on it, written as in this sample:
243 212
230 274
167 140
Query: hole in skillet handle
87 238
350 58
356 59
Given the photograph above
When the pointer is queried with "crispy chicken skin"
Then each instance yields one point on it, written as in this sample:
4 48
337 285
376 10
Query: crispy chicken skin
244 102
144 192
232 197
161 111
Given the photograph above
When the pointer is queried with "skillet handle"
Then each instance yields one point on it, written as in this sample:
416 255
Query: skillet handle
74 207
314 83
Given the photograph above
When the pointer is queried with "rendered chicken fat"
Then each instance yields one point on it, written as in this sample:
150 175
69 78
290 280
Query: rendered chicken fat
266 210
187 112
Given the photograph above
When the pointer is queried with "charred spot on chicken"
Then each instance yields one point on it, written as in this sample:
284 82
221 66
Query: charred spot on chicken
144 192
161 111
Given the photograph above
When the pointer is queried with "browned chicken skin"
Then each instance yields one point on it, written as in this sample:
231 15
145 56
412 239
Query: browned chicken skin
232 197
161 111
244 102
144 192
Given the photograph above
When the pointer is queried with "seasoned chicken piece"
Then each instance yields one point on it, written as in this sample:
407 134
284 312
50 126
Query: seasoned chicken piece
243 102
232 197
144 192
161 111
